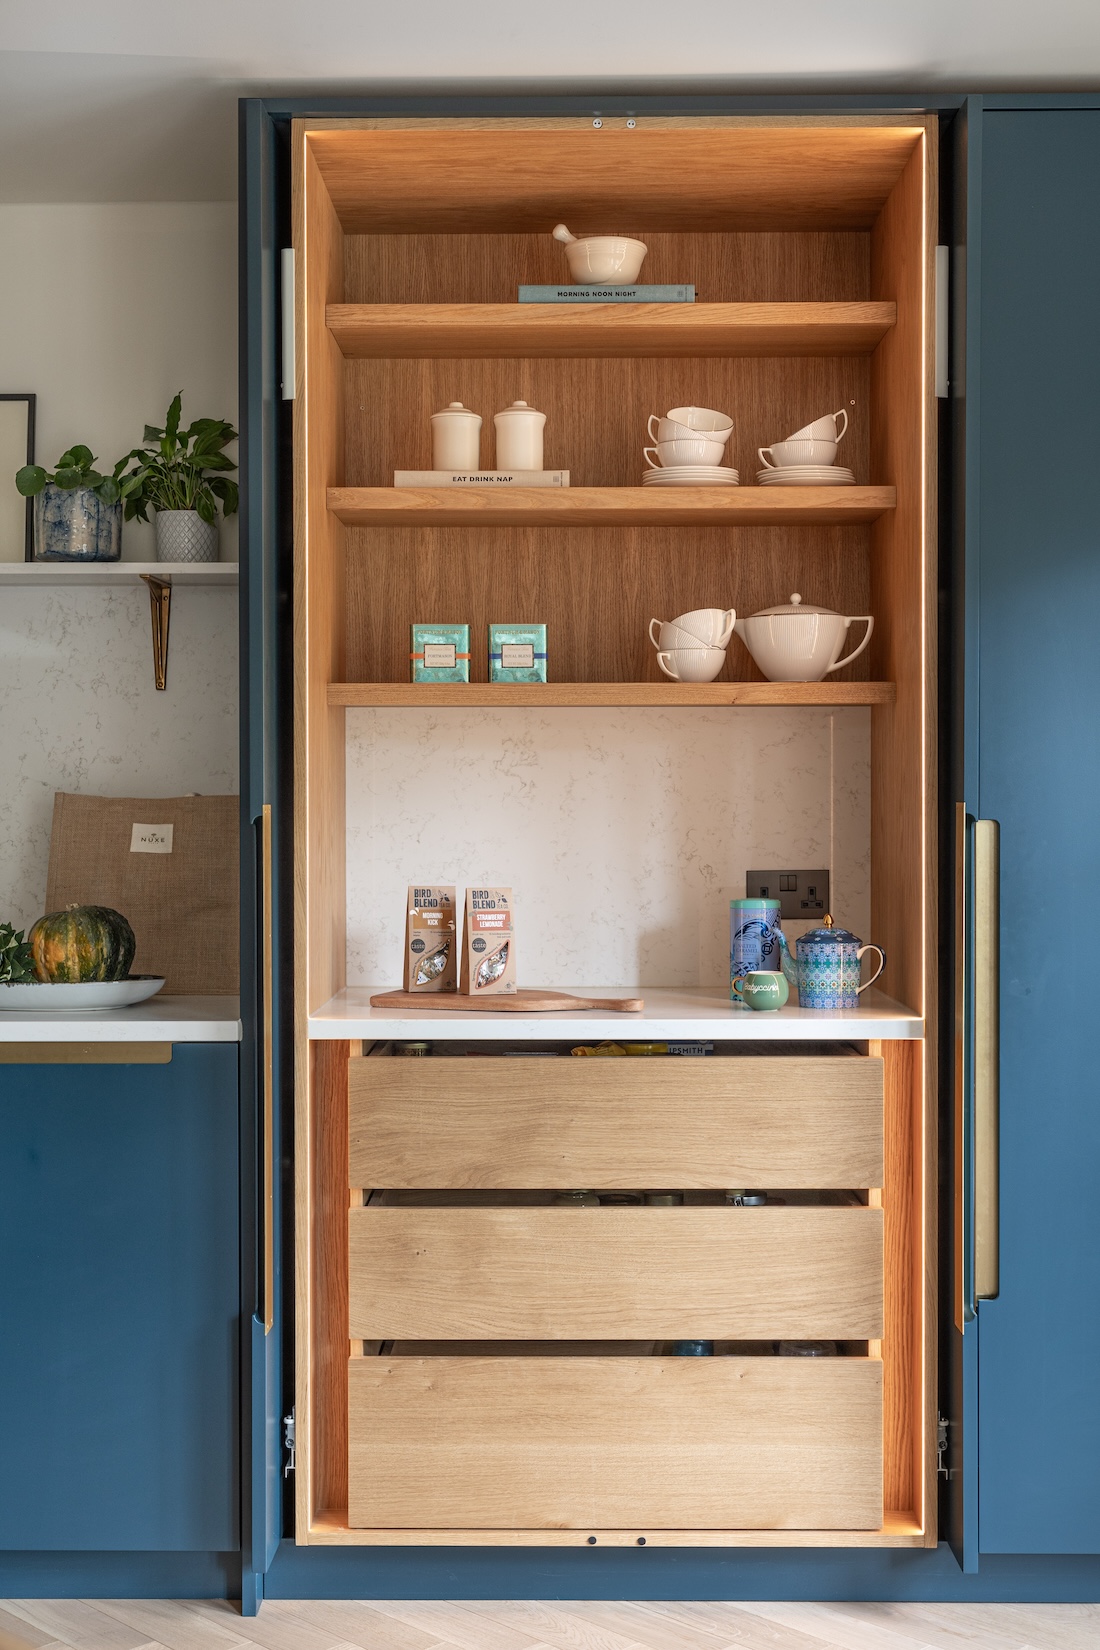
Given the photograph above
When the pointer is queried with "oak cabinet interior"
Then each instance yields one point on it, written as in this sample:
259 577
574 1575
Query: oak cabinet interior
810 244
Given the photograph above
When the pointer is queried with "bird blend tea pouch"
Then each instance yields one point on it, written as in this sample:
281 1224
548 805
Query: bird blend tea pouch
488 943
431 940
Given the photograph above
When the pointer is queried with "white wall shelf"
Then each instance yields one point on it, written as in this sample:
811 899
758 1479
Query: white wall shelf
218 574
162 1019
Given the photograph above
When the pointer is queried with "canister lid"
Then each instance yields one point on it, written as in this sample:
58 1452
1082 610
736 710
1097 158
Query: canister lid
456 410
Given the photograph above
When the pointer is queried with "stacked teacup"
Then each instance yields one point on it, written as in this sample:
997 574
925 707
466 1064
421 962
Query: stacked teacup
808 457
692 648
690 444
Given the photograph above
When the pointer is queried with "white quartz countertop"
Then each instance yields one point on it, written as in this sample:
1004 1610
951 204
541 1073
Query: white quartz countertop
160 1020
682 1014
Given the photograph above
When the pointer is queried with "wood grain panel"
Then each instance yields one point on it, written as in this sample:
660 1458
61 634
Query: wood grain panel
778 1443
896 1530
608 179
566 332
319 895
728 268
325 1310
798 1122
625 1273
597 410
595 589
904 838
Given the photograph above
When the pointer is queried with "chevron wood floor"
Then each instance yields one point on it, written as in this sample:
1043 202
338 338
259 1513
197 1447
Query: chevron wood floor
209 1624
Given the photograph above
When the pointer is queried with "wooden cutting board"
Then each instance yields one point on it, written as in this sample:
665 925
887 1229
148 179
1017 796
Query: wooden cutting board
521 1002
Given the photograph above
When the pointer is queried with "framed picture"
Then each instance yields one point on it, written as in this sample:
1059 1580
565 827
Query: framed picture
16 449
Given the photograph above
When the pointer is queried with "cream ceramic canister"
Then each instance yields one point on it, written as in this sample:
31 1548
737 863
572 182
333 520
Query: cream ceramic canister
519 437
456 438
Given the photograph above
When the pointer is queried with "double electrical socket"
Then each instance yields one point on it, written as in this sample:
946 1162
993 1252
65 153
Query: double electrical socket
804 895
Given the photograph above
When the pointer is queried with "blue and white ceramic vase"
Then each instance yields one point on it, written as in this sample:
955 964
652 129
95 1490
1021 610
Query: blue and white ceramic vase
756 942
827 970
74 524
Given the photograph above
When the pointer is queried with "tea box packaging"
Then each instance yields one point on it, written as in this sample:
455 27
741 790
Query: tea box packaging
488 944
517 653
440 653
431 940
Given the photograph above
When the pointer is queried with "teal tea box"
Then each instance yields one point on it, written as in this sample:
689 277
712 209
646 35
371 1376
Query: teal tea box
517 653
440 653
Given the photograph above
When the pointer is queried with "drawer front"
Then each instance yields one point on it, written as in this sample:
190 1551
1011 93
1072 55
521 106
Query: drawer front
614 1443
615 1273
792 1121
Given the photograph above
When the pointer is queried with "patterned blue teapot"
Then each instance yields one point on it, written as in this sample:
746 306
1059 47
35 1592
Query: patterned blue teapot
827 970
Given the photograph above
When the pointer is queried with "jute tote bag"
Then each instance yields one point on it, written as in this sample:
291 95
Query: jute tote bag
171 866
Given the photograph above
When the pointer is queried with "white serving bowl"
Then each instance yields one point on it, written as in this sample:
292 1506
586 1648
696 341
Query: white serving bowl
785 453
605 260
692 664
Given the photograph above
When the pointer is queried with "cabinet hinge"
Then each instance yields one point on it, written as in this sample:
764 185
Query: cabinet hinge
286 301
288 1443
942 1425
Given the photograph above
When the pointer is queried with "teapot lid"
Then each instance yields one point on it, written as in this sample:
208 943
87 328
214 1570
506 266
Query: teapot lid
796 605
829 934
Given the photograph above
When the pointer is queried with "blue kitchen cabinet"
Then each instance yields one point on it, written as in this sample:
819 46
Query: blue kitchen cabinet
119 1305
1034 767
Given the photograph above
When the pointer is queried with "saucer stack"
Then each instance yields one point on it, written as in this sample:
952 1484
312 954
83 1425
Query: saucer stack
690 446
807 458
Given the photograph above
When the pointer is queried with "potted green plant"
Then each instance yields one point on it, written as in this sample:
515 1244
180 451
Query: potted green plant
77 510
182 479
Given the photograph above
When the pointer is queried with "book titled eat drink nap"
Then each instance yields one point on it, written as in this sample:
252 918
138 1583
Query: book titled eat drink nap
481 478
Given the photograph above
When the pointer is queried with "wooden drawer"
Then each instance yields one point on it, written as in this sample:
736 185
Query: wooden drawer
624 1273
614 1443
782 1120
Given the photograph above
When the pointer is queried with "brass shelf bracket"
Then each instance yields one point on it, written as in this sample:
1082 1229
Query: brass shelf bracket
160 602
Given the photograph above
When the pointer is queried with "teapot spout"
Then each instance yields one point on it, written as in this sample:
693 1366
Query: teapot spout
739 629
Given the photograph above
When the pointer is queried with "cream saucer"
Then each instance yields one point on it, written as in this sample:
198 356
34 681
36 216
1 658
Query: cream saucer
807 475
692 475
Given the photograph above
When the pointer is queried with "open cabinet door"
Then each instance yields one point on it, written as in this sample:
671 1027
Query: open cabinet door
959 706
1036 747
265 788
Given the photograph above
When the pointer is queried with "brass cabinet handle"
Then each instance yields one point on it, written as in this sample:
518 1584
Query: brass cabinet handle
986 1059
268 1005
964 1305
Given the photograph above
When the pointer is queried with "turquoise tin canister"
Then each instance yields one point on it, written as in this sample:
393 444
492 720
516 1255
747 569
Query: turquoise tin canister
827 970
756 939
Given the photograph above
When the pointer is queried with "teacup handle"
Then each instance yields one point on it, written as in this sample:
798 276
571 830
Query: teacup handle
737 989
766 462
656 640
841 413
653 434
730 619
649 461
878 970
661 657
864 618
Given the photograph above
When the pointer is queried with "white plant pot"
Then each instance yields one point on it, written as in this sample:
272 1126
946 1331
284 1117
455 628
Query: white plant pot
182 535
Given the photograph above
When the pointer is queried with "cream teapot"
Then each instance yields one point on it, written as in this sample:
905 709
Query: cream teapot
799 643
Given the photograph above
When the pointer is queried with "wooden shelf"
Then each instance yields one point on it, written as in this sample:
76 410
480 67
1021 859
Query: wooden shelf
443 331
544 695
607 506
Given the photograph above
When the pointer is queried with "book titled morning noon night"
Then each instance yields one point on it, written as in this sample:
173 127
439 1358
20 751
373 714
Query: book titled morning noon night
607 294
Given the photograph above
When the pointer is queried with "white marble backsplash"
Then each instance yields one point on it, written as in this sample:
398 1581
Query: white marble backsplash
79 712
624 833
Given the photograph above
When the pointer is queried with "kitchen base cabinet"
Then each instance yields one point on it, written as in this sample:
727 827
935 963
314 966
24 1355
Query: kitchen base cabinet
119 1304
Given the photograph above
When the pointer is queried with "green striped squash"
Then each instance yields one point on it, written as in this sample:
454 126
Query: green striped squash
82 943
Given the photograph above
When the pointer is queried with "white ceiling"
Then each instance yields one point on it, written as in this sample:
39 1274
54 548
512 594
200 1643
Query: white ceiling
121 100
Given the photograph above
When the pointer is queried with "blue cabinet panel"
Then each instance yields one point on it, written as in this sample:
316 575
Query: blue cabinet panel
1039 775
119 1288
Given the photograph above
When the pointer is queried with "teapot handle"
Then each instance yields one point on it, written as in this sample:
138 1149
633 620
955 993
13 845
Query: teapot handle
878 970
864 618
